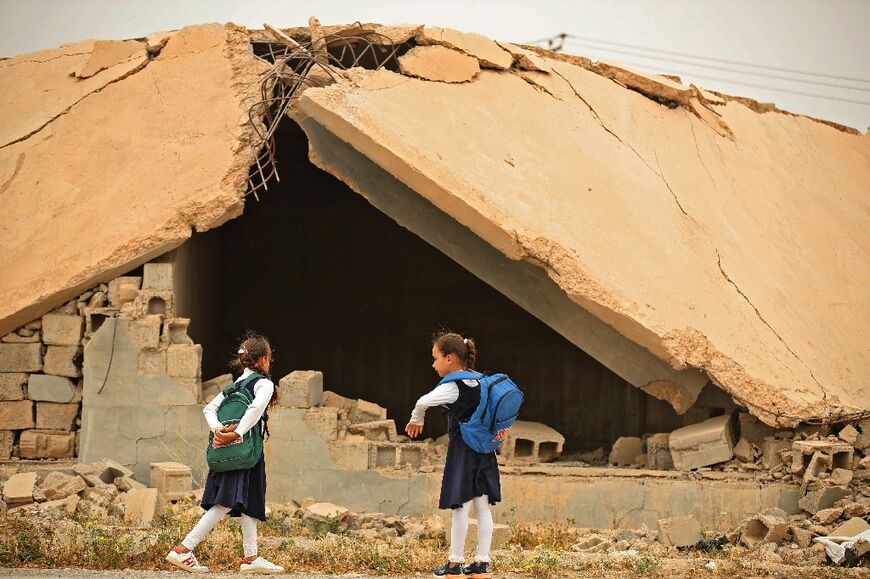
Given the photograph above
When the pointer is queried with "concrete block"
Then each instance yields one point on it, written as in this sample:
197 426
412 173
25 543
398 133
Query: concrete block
679 531
62 330
157 276
366 411
531 442
173 480
382 455
326 512
146 332
123 289
46 444
752 429
828 516
12 385
410 456
108 470
215 386
768 527
301 389
21 357
45 388
18 490
7 441
702 444
57 485
55 416
658 455
350 455
16 415
745 451
852 527
95 317
824 498
625 450
184 360
334 400
848 434
175 331
152 362
378 431
152 302
324 420
63 361
141 508
771 449
840 454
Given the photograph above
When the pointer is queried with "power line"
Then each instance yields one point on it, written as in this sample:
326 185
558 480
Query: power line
745 83
562 36
632 52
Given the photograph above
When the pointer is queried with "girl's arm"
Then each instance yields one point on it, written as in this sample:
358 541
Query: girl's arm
443 394
262 395
210 412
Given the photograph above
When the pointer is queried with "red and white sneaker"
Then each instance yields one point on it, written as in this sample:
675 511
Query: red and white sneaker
186 561
260 565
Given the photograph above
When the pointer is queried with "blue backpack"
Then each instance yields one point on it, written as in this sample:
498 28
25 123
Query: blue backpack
500 401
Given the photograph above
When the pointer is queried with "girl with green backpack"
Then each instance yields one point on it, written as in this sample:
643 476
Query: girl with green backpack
233 486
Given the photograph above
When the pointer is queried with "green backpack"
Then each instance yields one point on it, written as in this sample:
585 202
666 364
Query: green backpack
240 455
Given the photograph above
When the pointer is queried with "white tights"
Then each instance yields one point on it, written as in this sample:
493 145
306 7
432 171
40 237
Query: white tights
459 528
211 518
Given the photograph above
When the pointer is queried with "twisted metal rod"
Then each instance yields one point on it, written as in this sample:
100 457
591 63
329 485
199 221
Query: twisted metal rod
289 74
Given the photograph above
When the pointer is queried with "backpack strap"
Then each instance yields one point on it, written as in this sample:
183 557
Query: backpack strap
457 377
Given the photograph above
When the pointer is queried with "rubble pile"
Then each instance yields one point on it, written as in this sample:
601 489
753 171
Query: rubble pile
105 491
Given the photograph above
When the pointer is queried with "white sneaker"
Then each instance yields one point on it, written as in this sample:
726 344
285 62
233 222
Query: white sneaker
260 565
186 561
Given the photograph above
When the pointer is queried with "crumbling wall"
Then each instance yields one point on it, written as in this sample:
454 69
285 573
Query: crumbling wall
120 161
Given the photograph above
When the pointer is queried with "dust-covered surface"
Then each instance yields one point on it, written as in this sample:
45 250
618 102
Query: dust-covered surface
112 152
717 232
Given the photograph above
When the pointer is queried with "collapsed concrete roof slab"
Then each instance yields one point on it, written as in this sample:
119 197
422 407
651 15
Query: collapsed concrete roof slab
101 174
744 257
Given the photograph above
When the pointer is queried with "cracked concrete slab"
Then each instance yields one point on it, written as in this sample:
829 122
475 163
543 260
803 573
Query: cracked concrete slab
438 63
525 59
121 166
108 53
488 52
651 220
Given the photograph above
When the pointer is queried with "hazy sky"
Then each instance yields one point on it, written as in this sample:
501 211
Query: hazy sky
807 56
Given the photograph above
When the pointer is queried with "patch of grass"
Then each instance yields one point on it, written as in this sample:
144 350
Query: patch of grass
554 536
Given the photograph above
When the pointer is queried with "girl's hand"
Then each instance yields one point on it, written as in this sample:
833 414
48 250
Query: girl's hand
226 434
501 434
413 430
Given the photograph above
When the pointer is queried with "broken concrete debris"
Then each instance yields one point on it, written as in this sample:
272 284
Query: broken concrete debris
438 63
702 444
679 531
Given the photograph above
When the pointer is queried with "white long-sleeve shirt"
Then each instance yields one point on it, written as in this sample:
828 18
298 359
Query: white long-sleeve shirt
446 393
262 395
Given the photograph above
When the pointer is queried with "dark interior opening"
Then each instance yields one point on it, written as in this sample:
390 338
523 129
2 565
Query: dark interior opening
339 287
524 448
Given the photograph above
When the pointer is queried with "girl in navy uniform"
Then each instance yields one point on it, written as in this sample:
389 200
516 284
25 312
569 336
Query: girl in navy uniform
238 492
470 478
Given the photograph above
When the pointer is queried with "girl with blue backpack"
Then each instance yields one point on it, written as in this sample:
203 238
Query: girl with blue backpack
470 477
242 491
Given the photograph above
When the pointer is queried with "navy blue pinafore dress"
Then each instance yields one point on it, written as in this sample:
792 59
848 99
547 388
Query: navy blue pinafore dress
242 491
467 474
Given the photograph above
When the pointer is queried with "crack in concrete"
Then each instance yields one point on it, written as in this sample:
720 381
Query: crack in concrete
65 55
538 86
639 156
765 322
129 73
698 151
18 164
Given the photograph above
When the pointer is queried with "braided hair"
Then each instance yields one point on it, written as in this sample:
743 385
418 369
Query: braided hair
453 343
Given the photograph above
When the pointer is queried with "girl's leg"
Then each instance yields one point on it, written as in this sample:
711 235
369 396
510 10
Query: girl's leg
208 521
484 528
249 536
458 530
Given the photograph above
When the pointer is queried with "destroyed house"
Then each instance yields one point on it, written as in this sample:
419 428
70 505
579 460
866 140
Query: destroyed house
638 254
